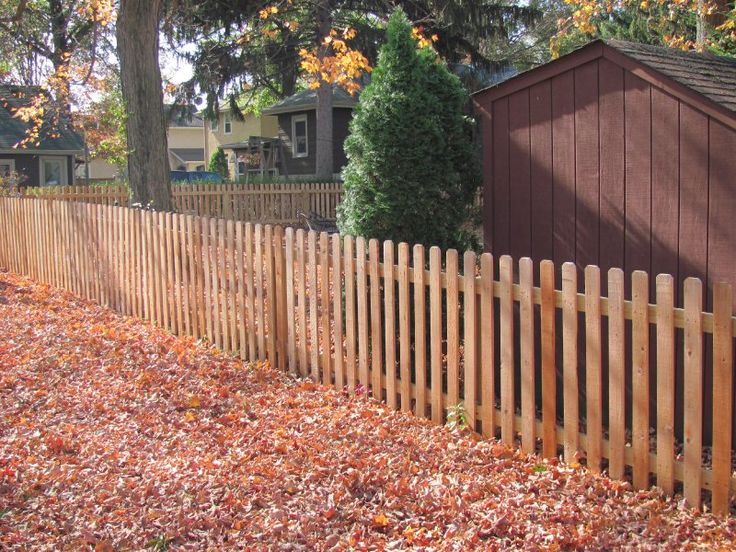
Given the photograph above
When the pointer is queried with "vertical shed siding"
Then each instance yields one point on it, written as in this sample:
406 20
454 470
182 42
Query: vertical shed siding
519 166
612 164
587 185
597 166
501 176
540 121
722 204
693 231
637 142
563 167
665 183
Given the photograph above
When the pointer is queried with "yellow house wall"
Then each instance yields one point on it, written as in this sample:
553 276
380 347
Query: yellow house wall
185 137
266 126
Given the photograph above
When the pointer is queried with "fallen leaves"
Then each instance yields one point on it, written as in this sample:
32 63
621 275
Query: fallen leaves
115 435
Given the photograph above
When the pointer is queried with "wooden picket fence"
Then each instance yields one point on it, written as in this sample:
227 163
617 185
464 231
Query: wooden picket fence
272 203
423 334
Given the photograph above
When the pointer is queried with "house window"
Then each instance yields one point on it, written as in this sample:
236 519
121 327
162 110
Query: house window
7 167
299 136
53 171
213 125
228 124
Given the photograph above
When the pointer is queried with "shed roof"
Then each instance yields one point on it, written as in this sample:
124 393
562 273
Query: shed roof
703 80
307 100
13 130
712 76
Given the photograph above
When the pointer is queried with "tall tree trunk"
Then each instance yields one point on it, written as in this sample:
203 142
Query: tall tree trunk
324 154
148 163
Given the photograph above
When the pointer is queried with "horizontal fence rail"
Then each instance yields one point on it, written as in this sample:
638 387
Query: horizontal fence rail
272 203
544 366
265 203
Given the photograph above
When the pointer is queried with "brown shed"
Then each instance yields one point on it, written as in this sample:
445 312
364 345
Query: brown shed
619 155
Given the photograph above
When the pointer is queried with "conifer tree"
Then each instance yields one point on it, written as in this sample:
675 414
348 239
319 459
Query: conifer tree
218 163
412 171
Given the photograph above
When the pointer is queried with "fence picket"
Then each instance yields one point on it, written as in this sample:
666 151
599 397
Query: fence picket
232 301
290 301
362 287
325 312
350 335
665 382
280 307
435 330
313 314
470 343
549 368
693 405
337 287
452 304
270 293
526 337
389 309
508 410
593 369
420 359
487 346
722 396
640 378
250 294
216 267
570 387
260 328
616 374
404 328
375 318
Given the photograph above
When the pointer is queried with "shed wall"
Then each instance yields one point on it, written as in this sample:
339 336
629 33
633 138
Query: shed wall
597 166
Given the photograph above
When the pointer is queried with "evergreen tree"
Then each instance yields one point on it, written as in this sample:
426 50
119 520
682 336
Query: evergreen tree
218 163
412 171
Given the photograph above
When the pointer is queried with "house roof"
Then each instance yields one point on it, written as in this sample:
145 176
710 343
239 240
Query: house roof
13 130
188 154
253 141
703 80
307 100
182 116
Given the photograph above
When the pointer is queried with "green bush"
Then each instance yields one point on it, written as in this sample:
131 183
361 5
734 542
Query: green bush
412 170
218 163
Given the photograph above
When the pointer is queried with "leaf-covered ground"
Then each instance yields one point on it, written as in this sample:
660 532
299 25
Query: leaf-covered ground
117 436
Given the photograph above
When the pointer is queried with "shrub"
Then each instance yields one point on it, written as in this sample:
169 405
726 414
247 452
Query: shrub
412 171
218 163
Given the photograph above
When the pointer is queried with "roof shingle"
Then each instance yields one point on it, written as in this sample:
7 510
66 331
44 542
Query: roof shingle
13 130
712 76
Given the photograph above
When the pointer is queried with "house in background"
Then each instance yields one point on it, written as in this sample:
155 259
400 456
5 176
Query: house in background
618 155
52 161
297 130
184 135
233 134
185 139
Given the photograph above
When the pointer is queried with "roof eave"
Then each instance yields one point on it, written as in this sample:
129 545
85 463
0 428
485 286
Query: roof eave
671 86
597 49
298 108
36 151
589 52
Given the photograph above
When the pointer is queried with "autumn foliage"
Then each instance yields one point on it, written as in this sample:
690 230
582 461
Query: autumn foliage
115 435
